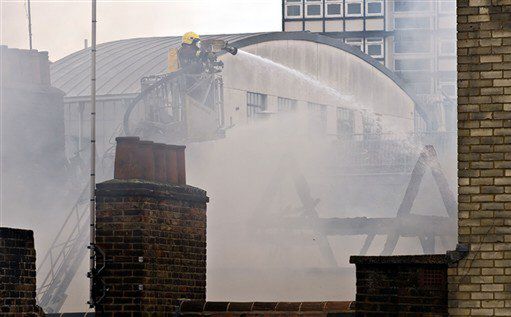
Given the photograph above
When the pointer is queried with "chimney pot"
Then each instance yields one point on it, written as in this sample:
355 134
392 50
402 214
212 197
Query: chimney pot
171 166
146 160
160 172
145 155
126 161
181 168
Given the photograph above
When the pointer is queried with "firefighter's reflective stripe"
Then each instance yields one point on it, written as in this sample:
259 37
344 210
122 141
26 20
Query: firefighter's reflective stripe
173 60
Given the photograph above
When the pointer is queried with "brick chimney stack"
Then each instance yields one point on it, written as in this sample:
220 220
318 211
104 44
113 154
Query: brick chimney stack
17 273
152 228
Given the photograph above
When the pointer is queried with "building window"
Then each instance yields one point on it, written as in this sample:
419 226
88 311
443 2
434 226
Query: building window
256 103
422 88
294 9
345 121
446 6
412 47
313 8
447 76
356 42
333 8
412 64
316 107
374 47
412 23
371 124
411 6
286 105
446 48
410 43
374 7
353 8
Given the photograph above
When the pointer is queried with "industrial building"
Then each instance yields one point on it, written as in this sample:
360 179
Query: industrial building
123 64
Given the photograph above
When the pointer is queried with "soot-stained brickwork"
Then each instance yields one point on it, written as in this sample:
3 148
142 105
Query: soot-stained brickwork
480 284
401 285
154 239
17 273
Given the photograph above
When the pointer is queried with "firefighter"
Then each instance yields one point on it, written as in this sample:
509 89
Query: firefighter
189 52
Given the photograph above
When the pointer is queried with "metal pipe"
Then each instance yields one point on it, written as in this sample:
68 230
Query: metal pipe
92 155
29 25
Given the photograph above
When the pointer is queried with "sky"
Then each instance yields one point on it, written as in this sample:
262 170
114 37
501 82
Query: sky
60 27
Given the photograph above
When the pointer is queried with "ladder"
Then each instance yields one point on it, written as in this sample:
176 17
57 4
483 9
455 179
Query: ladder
64 256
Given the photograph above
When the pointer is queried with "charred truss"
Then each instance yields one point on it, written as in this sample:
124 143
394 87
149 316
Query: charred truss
405 224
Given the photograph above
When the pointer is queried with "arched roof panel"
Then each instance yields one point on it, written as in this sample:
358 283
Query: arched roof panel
120 65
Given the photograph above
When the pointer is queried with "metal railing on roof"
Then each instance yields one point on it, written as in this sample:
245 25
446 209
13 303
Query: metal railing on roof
389 153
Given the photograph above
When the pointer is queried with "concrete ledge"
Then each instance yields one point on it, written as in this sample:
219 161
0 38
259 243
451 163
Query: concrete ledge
233 309
14 233
88 314
401 259
281 308
138 187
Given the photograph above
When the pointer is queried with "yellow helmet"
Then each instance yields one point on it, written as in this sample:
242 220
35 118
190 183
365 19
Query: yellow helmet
190 37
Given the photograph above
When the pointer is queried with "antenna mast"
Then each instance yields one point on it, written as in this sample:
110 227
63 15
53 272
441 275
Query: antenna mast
29 25
92 247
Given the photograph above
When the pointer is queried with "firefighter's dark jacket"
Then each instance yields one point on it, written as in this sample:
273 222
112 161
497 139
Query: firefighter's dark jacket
189 54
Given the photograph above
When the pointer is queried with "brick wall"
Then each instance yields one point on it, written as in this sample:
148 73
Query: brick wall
17 273
480 284
401 285
154 238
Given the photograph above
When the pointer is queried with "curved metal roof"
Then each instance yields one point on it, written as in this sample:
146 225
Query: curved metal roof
121 64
